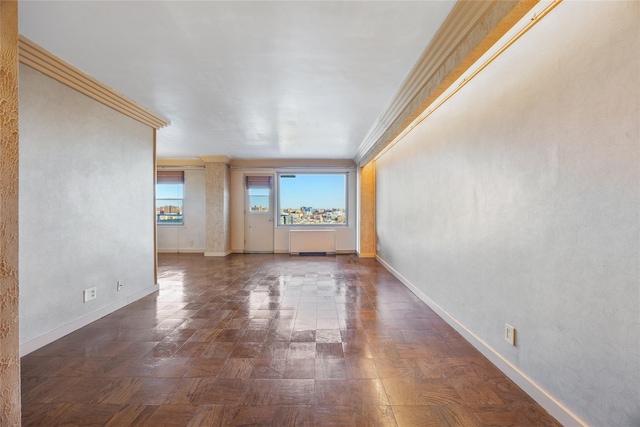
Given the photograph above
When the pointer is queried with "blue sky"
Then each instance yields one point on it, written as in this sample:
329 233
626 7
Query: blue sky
169 191
316 191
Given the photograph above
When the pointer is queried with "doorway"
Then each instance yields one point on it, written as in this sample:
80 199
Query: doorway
259 215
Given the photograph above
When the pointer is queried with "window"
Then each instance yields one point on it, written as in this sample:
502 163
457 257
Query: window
259 200
312 199
169 197
258 188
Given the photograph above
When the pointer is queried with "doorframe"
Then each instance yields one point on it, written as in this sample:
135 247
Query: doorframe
247 211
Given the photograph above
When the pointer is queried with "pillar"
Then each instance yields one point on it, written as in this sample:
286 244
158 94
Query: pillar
218 219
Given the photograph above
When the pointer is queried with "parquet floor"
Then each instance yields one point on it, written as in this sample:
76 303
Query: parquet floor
270 340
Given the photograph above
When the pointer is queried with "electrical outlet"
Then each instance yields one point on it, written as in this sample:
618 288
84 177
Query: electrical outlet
509 334
119 285
89 294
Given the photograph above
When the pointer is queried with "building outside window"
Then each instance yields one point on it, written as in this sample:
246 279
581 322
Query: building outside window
312 199
259 191
169 197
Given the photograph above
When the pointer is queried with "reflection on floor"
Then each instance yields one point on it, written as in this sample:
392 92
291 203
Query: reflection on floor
270 340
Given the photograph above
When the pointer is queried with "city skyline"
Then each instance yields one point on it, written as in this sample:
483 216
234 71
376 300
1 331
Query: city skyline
311 216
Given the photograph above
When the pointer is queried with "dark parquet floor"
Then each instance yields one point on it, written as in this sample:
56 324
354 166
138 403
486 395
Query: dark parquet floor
271 340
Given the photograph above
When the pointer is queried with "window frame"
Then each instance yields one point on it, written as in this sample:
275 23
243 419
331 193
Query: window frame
181 199
258 182
346 175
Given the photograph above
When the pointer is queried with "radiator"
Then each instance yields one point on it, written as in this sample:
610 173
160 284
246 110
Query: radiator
312 241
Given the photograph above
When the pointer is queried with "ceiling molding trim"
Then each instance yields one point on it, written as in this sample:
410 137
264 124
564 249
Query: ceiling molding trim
469 31
292 163
180 162
34 56
215 159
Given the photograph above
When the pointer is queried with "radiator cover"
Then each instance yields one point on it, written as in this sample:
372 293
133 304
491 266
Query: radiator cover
312 241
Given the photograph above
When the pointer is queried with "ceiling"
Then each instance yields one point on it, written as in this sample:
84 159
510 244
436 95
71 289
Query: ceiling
244 79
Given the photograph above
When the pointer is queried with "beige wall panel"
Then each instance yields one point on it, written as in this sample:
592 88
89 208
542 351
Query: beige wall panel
367 247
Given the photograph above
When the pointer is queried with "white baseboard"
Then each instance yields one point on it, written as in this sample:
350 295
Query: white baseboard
338 252
182 251
219 254
548 402
237 251
51 336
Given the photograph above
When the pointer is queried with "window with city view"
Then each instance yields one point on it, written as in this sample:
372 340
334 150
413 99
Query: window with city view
259 200
169 197
312 199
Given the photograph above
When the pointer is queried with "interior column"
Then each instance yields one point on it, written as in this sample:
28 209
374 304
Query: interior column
218 219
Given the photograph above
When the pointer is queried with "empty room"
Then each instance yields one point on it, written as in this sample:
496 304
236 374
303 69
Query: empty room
291 213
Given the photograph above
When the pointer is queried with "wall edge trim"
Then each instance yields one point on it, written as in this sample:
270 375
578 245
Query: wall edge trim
541 396
49 337
38 58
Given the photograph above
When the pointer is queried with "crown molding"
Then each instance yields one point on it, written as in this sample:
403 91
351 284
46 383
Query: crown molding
179 162
255 163
292 163
36 57
469 31
215 159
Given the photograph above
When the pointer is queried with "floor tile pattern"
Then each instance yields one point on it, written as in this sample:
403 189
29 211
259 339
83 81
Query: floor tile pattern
271 340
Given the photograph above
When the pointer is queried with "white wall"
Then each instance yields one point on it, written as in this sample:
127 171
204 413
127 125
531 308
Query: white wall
345 236
191 236
237 209
518 201
86 209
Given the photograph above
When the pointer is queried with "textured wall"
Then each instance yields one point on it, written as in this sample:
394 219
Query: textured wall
9 346
85 208
218 228
518 202
237 224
